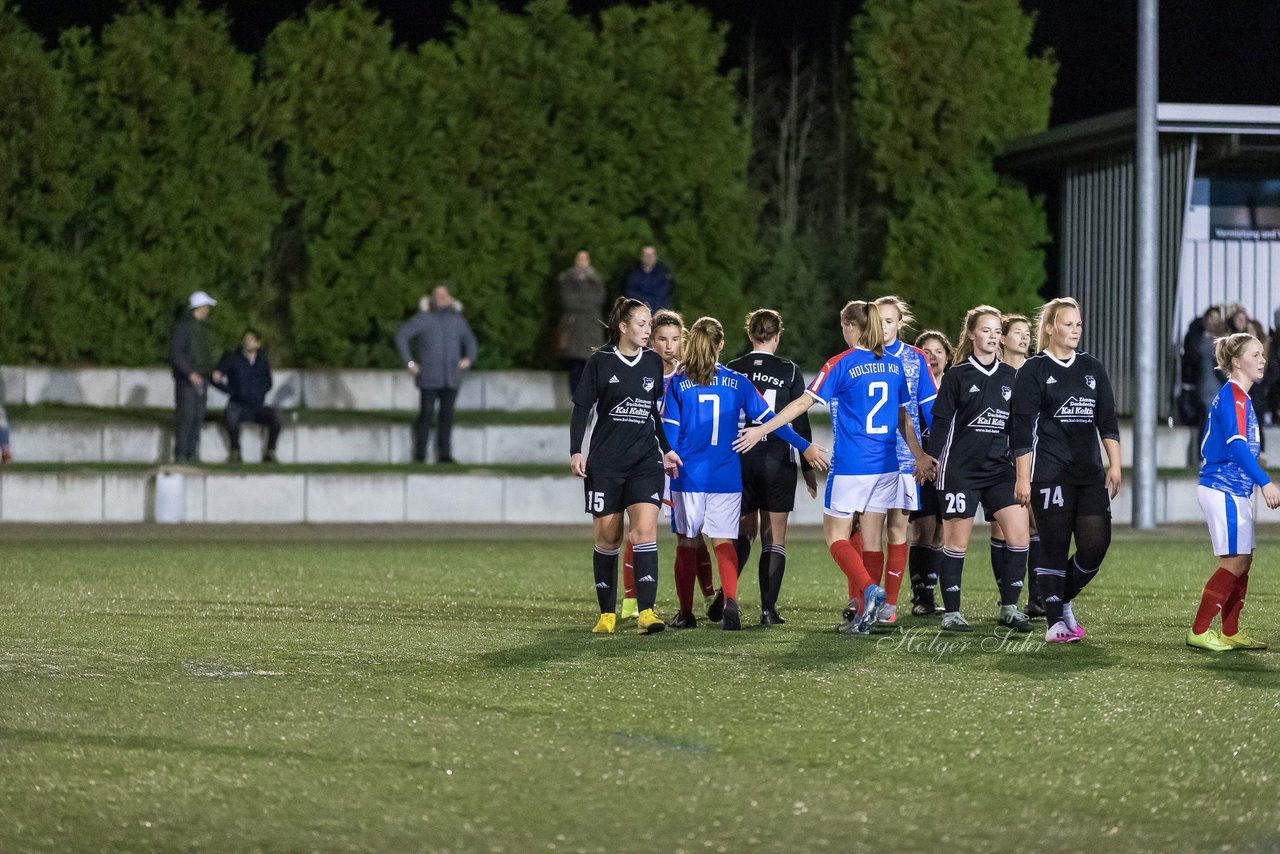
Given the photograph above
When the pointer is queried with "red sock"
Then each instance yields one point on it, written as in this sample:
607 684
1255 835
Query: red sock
705 581
686 570
874 562
628 572
1231 609
1220 585
727 560
893 571
850 563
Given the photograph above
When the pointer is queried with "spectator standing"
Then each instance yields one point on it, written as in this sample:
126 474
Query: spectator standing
5 456
581 327
245 375
191 360
1198 373
1272 377
443 349
650 281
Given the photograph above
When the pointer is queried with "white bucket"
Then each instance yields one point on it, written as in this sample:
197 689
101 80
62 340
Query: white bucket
171 498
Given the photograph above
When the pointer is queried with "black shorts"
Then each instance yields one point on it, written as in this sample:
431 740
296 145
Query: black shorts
768 483
929 506
960 501
1058 504
606 495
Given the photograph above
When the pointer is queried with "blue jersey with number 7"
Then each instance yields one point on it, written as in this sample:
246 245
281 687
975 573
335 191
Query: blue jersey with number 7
702 423
864 394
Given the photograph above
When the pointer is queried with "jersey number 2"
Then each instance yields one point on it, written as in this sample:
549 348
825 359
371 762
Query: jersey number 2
715 415
881 389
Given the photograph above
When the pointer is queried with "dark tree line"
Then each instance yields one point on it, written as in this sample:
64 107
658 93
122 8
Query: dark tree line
319 186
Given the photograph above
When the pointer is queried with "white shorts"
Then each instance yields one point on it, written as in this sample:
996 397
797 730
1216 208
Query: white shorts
714 514
1230 520
908 493
850 494
666 499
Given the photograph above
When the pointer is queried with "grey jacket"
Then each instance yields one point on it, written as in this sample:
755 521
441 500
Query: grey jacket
440 337
582 326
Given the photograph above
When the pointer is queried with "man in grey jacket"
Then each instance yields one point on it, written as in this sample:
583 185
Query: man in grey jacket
191 359
443 349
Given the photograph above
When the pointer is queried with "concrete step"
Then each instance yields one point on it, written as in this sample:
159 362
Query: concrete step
282 496
350 390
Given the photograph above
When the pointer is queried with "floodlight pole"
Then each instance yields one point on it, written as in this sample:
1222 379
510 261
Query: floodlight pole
1146 292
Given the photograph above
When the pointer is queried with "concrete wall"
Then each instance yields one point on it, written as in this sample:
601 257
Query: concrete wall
354 390
232 497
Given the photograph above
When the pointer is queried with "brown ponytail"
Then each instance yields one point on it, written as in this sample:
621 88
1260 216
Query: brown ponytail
702 350
763 324
965 348
623 308
865 317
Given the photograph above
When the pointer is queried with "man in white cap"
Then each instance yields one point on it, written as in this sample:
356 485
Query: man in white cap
192 361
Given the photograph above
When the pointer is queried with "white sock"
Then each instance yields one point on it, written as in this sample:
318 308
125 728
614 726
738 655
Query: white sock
1068 617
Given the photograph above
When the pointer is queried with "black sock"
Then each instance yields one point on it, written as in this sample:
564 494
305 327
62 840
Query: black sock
777 569
949 571
1033 560
646 571
604 562
743 547
934 567
762 574
1015 567
917 567
1053 584
1078 578
997 564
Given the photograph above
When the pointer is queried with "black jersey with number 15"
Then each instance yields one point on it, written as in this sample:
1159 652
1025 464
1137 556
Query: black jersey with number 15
779 382
626 393
1060 408
970 417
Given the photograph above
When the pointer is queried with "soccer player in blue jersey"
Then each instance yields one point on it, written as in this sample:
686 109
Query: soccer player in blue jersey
1227 480
701 412
895 315
867 392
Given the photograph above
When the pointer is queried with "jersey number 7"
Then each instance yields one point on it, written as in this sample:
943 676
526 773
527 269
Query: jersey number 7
715 415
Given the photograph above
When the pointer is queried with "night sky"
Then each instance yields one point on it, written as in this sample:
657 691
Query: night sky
1211 50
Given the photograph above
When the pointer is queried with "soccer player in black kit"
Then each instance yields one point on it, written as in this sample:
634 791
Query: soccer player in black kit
769 469
622 383
1062 403
969 440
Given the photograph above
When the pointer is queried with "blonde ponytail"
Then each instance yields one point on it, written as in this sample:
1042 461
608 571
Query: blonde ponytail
702 350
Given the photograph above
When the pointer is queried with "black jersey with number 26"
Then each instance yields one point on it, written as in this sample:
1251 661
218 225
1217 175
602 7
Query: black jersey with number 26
970 417
626 393
1059 411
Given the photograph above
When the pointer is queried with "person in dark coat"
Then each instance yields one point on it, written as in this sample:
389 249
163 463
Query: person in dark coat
650 281
245 375
581 329
191 360
444 348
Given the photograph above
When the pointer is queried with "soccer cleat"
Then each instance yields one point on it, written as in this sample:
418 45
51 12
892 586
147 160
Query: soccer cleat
649 623
954 621
1208 640
630 610
684 620
1059 633
872 600
1079 631
1035 609
848 617
732 619
771 617
888 615
1012 618
1242 641
606 624
715 607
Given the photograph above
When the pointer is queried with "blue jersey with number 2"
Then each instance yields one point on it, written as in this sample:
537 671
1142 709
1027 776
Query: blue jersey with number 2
702 423
864 394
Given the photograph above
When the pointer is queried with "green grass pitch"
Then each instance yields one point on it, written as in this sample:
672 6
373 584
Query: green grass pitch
317 692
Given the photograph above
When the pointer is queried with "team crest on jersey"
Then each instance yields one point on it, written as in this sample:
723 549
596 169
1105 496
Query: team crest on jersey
1006 392
648 383
1090 381
1076 410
